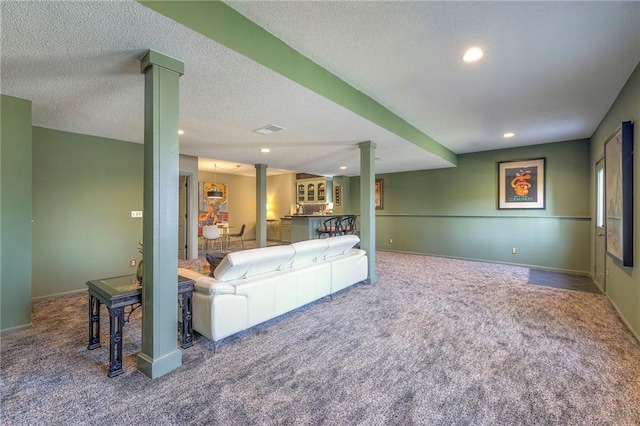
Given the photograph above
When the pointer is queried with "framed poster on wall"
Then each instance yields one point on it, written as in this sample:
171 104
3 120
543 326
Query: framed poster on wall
521 184
379 194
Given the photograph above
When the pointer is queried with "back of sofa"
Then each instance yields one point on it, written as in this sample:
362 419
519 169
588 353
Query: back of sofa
308 252
247 263
340 245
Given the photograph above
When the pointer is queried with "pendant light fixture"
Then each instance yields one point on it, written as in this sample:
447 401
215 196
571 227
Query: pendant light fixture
214 192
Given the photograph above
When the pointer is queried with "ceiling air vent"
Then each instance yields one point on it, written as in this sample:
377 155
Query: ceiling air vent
271 128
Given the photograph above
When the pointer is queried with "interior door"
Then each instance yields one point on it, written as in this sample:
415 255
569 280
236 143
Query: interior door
600 245
182 216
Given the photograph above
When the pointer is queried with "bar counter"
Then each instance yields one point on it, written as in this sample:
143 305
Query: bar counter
304 226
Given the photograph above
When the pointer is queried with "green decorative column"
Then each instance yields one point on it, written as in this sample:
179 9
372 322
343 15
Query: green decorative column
16 155
261 205
367 206
160 353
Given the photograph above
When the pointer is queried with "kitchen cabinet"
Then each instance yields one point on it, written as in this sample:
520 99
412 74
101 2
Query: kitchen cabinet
311 190
321 193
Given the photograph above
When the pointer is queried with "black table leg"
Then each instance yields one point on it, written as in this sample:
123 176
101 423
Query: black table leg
94 322
116 323
187 322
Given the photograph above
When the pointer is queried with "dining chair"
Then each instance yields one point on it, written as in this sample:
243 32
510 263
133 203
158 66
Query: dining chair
211 233
238 235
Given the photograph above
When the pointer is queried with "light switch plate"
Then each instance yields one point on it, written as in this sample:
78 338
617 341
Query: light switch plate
136 213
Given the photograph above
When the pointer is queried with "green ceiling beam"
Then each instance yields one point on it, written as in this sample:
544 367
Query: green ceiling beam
221 23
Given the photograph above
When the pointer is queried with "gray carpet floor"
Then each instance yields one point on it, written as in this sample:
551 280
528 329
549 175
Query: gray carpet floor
436 342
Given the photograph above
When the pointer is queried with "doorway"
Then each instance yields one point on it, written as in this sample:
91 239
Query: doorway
599 273
183 217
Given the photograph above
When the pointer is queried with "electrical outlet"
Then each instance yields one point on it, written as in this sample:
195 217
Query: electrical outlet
607 272
390 240
136 213
514 250
132 262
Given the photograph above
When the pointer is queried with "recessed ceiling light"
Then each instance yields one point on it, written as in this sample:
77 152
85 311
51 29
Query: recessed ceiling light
265 150
343 167
181 132
509 135
472 54
269 129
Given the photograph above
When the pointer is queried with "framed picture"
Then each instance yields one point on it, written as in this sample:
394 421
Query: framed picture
618 178
521 184
337 195
379 194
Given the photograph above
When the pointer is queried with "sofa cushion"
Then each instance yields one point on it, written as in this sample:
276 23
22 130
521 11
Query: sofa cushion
340 245
308 252
247 263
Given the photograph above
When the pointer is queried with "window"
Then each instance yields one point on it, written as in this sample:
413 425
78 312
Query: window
600 199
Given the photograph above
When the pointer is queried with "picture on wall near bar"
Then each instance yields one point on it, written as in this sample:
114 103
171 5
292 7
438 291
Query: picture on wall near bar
521 184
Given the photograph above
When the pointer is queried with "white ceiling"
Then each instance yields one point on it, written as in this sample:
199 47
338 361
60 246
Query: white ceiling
551 71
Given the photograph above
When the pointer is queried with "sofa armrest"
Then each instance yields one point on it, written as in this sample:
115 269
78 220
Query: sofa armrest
206 284
214 287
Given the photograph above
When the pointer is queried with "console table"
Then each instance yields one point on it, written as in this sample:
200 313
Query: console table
123 295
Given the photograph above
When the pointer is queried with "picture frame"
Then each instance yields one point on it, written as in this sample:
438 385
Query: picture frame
379 194
618 178
522 184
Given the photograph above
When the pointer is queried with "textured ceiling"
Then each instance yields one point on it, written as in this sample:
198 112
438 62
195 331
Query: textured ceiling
550 73
550 70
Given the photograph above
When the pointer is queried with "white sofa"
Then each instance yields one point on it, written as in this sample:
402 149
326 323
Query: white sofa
253 286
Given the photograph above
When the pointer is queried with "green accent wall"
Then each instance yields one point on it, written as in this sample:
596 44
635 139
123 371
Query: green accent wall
15 213
623 283
223 24
84 189
453 212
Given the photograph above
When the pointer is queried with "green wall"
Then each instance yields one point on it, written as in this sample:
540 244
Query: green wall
623 283
453 212
84 189
15 213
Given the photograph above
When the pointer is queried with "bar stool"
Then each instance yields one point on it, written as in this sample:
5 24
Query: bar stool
348 225
329 227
